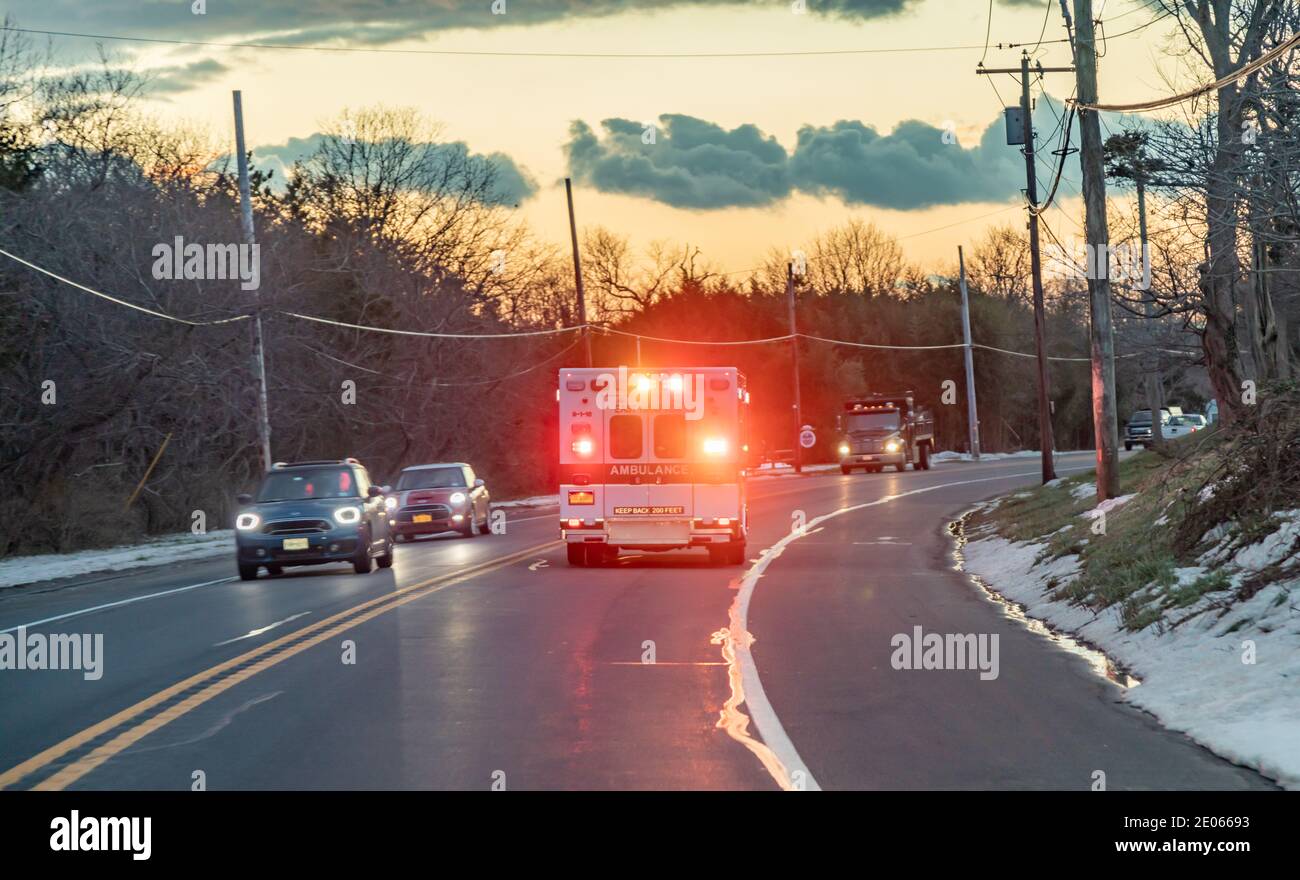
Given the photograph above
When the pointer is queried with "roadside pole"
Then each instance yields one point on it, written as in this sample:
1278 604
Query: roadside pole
1025 139
1155 382
577 276
246 220
794 355
972 415
1104 424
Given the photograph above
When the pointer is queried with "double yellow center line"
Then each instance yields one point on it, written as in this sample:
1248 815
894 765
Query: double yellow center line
211 682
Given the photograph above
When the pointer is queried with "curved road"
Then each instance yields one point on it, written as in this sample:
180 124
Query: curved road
486 662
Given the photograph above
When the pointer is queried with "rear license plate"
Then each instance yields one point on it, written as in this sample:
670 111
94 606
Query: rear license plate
422 517
296 543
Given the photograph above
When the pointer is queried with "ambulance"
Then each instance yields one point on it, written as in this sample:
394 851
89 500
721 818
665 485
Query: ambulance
652 460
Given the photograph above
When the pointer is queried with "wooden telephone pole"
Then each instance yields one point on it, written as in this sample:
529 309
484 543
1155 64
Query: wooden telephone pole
1026 138
1091 161
577 280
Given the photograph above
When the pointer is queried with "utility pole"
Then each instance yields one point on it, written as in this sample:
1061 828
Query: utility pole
1026 139
794 354
1091 161
972 416
246 221
1155 381
577 276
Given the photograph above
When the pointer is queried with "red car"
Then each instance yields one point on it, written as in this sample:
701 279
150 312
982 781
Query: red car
433 498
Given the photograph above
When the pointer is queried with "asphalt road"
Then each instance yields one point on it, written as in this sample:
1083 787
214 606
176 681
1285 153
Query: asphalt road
488 661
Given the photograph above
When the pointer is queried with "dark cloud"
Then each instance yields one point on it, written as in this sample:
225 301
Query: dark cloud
696 164
182 78
512 185
690 164
364 22
911 167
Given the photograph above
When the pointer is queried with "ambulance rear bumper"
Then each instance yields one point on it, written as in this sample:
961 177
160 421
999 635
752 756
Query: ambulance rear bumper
648 534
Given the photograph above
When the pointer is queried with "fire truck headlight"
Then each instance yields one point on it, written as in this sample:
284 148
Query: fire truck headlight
844 449
892 446
715 446
583 446
457 498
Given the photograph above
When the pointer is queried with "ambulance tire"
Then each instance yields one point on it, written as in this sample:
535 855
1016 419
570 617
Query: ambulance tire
924 460
606 555
577 553
736 554
901 466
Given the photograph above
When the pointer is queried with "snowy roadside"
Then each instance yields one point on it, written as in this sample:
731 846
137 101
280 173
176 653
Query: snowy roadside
1226 678
20 571
185 547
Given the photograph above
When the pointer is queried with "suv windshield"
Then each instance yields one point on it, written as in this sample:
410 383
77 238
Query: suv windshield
299 485
1141 417
432 478
875 421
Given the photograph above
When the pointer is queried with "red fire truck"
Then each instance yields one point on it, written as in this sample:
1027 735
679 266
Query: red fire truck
651 460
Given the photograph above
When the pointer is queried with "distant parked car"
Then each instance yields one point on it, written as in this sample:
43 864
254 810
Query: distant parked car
311 513
432 498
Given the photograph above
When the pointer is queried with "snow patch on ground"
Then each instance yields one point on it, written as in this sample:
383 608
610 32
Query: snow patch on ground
984 456
1107 506
184 547
1083 490
780 469
1193 675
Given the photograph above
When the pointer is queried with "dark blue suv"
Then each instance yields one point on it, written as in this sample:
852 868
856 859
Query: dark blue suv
310 513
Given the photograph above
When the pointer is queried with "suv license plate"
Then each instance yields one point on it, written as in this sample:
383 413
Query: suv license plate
296 543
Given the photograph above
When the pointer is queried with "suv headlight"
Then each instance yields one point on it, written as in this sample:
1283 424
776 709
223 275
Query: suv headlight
347 515
390 503
247 521
457 497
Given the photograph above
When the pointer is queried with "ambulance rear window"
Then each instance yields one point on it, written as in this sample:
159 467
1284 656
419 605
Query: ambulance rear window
624 436
670 436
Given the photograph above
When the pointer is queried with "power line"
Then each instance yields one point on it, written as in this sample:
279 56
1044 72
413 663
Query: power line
430 334
122 302
519 334
485 53
491 53
1160 103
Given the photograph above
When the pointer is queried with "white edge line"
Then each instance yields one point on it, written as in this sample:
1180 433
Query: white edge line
254 633
765 718
113 605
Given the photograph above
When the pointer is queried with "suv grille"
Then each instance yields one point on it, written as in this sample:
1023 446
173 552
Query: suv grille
295 527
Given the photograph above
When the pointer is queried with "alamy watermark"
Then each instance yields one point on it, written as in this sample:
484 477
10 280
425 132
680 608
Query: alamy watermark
37 651
922 650
1124 263
179 261
625 390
